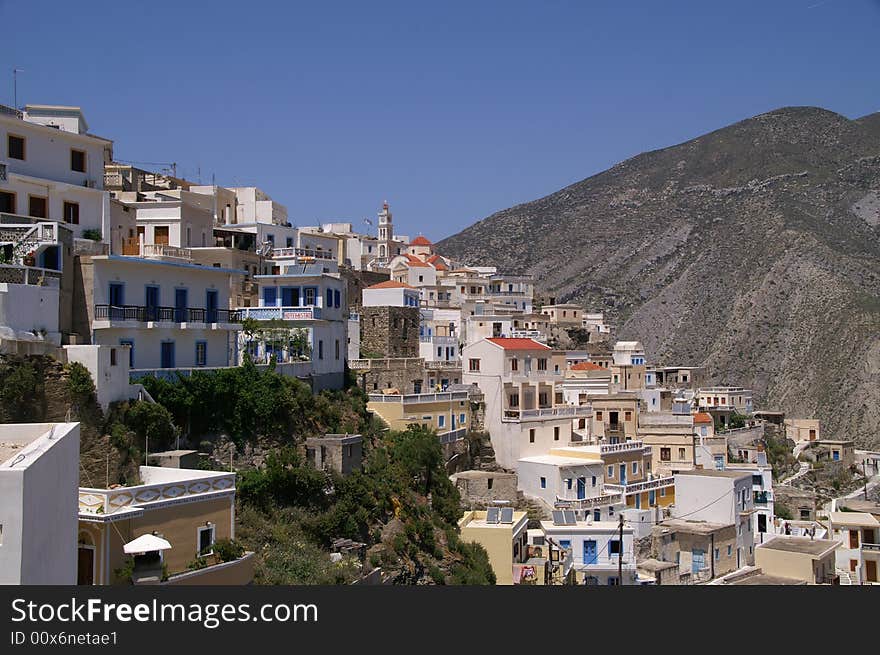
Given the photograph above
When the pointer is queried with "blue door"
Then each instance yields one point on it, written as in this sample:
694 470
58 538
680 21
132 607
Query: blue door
287 297
151 301
623 474
270 296
130 343
116 296
180 305
211 306
698 560
652 498
167 354
638 501
590 554
582 488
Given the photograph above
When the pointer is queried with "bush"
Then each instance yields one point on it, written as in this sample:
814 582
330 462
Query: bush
228 550
92 234
79 382
151 420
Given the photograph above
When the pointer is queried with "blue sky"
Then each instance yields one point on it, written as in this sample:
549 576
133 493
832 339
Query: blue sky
450 110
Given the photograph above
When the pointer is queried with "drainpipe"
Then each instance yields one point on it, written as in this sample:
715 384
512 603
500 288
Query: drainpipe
712 555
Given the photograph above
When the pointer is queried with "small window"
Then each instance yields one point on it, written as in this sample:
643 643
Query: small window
729 550
598 416
665 454
441 420
514 364
337 349
320 349
627 416
201 353
718 554
556 433
594 484
71 212
610 471
113 357
474 364
77 160
614 547
206 540
543 483
7 202
15 147
532 435
461 419
489 483
681 454
635 467
38 207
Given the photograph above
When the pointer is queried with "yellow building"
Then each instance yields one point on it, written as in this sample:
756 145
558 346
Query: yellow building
505 540
447 412
800 558
190 509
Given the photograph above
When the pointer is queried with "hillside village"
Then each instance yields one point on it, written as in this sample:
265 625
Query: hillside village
564 452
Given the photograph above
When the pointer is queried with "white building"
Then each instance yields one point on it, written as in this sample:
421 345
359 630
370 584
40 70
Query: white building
52 168
390 294
304 298
859 554
171 314
525 412
255 206
723 497
562 474
762 491
39 477
597 553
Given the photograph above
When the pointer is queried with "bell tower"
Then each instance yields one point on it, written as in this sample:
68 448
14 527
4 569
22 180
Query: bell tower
386 232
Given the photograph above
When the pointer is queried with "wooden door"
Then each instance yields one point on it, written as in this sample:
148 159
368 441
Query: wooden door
871 570
85 566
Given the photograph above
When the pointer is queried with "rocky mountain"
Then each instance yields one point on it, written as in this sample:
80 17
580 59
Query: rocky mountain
753 250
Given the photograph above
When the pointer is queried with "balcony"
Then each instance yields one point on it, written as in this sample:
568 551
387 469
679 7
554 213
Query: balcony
537 335
383 363
640 487
452 436
625 447
439 340
164 251
291 313
589 503
442 365
104 502
419 398
299 253
566 411
872 548
109 316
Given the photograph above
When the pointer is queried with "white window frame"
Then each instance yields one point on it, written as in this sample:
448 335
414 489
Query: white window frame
199 530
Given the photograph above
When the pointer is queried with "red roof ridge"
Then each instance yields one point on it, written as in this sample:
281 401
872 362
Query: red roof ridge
508 343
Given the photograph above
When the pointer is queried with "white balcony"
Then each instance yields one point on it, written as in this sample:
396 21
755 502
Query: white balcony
566 411
283 313
104 502
640 487
419 398
165 252
589 503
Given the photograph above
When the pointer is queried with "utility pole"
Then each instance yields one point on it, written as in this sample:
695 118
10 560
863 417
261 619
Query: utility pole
15 72
865 473
620 554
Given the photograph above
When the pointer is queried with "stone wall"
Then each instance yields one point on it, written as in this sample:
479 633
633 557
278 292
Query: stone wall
390 331
481 488
357 281
392 374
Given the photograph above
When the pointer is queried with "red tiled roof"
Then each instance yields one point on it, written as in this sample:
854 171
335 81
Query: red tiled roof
587 366
702 417
420 241
518 344
437 262
412 260
391 284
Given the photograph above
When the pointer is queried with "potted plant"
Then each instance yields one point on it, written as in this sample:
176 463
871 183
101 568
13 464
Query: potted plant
30 259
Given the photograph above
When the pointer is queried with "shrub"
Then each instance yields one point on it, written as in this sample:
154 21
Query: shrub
228 550
79 382
92 234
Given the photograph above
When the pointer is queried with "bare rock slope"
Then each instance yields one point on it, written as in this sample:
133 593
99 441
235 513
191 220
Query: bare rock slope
753 250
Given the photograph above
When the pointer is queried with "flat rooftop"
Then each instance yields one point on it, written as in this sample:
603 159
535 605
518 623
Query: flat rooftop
481 475
803 545
693 527
585 526
29 439
558 460
763 579
853 518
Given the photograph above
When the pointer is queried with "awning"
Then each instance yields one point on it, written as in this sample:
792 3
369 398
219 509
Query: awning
146 543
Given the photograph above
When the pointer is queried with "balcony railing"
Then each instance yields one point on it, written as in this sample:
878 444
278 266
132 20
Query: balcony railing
163 250
411 398
108 501
142 314
871 547
304 313
442 364
385 362
284 253
438 340
640 487
547 412
588 503
453 435
625 447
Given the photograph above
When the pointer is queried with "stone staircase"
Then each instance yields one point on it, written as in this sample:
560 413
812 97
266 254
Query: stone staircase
845 578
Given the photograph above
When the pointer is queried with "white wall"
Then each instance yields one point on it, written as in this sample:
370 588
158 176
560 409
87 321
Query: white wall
26 307
393 297
38 506
111 380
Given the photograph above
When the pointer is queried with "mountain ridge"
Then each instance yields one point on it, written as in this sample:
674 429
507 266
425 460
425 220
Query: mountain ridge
753 249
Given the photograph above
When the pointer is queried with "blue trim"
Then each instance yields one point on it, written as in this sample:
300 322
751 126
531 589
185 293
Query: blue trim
173 353
110 285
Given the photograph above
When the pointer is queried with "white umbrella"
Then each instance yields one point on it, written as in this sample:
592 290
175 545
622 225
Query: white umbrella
146 543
